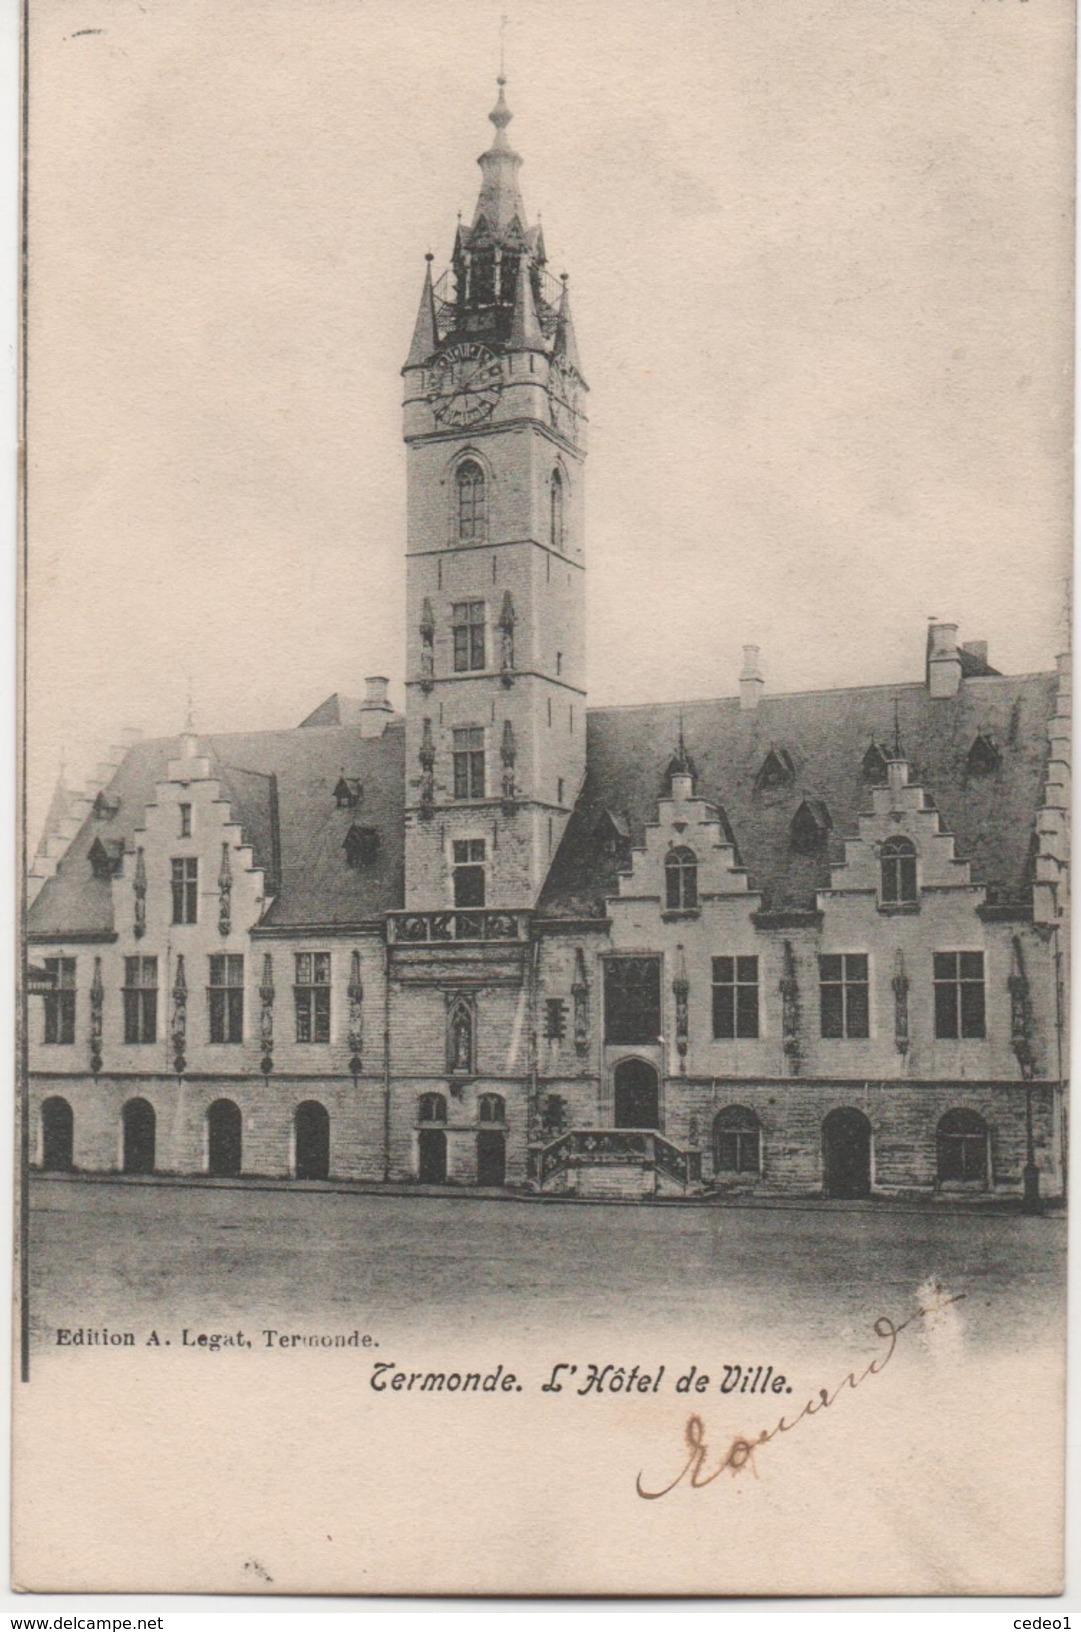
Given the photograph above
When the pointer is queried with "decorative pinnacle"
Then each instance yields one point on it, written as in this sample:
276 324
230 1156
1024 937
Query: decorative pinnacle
898 745
500 115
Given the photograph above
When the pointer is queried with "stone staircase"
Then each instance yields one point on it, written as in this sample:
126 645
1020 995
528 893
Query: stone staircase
614 1164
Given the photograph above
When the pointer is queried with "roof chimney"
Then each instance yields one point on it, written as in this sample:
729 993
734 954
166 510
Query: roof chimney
375 709
943 660
751 683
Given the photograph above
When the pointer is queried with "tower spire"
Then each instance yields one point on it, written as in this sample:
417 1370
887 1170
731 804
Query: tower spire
499 205
525 330
565 345
425 333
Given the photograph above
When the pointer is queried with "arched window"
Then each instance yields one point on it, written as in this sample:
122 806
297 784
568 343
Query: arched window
472 502
962 1147
737 1141
556 529
899 873
681 879
491 1108
432 1108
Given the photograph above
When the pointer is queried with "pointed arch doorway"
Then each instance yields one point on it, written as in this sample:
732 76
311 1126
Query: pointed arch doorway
637 1095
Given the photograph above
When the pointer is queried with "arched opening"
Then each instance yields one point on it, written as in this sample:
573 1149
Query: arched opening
223 1126
637 1095
432 1108
312 1126
139 1132
737 1141
472 501
491 1157
681 879
556 518
962 1142
57 1136
846 1155
432 1156
898 861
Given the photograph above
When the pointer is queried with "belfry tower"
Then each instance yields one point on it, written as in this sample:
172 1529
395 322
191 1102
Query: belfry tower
495 430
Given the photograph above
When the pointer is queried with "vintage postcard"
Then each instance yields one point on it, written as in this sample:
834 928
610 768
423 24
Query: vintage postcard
547 725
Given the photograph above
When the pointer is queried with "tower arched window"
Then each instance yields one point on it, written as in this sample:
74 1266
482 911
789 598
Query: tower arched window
898 859
556 525
681 879
472 501
431 1108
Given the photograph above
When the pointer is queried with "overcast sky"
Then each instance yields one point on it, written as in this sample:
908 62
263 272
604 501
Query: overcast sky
819 259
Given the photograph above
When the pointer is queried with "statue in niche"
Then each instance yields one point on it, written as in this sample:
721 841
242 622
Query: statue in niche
460 1039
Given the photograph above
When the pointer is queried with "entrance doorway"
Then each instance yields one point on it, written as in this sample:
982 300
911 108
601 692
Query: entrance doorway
57 1136
312 1125
491 1157
846 1154
223 1139
432 1154
637 1095
139 1126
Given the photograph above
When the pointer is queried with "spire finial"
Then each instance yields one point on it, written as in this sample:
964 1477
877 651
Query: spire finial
502 49
898 745
189 718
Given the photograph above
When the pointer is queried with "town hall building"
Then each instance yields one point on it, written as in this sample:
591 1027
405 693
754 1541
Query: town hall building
809 944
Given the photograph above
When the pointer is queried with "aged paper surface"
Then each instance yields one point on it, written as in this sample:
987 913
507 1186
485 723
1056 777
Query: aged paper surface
588 1117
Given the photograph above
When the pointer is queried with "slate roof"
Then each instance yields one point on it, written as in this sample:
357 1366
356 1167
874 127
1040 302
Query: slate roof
280 785
826 734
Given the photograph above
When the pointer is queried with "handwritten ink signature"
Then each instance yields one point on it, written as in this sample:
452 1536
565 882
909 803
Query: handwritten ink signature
741 1452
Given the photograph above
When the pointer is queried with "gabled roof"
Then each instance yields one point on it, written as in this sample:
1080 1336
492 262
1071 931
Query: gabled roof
279 785
825 734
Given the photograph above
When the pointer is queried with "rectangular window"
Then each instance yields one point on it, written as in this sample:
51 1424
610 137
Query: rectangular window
844 994
140 1000
185 821
468 872
60 1002
468 628
735 997
226 997
185 890
555 1019
469 763
960 1009
312 997
632 1000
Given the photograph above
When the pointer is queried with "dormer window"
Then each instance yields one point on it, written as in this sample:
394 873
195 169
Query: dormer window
898 861
985 756
875 764
361 846
104 808
777 770
811 826
348 793
681 880
106 857
612 833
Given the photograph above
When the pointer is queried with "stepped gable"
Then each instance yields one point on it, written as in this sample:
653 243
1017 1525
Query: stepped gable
280 786
826 735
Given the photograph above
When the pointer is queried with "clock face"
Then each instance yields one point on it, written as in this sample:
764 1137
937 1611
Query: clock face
465 385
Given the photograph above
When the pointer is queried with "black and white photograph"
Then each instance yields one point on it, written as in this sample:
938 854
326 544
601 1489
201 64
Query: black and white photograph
546 550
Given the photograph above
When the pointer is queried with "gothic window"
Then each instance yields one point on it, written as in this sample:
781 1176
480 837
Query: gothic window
681 879
361 846
491 1108
810 826
984 756
737 1139
185 821
961 1146
959 995
468 628
140 1000
185 889
776 770
431 1108
556 517
555 1019
472 502
469 763
311 997
468 872
632 1000
225 997
875 764
898 859
735 997
844 994
60 1001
